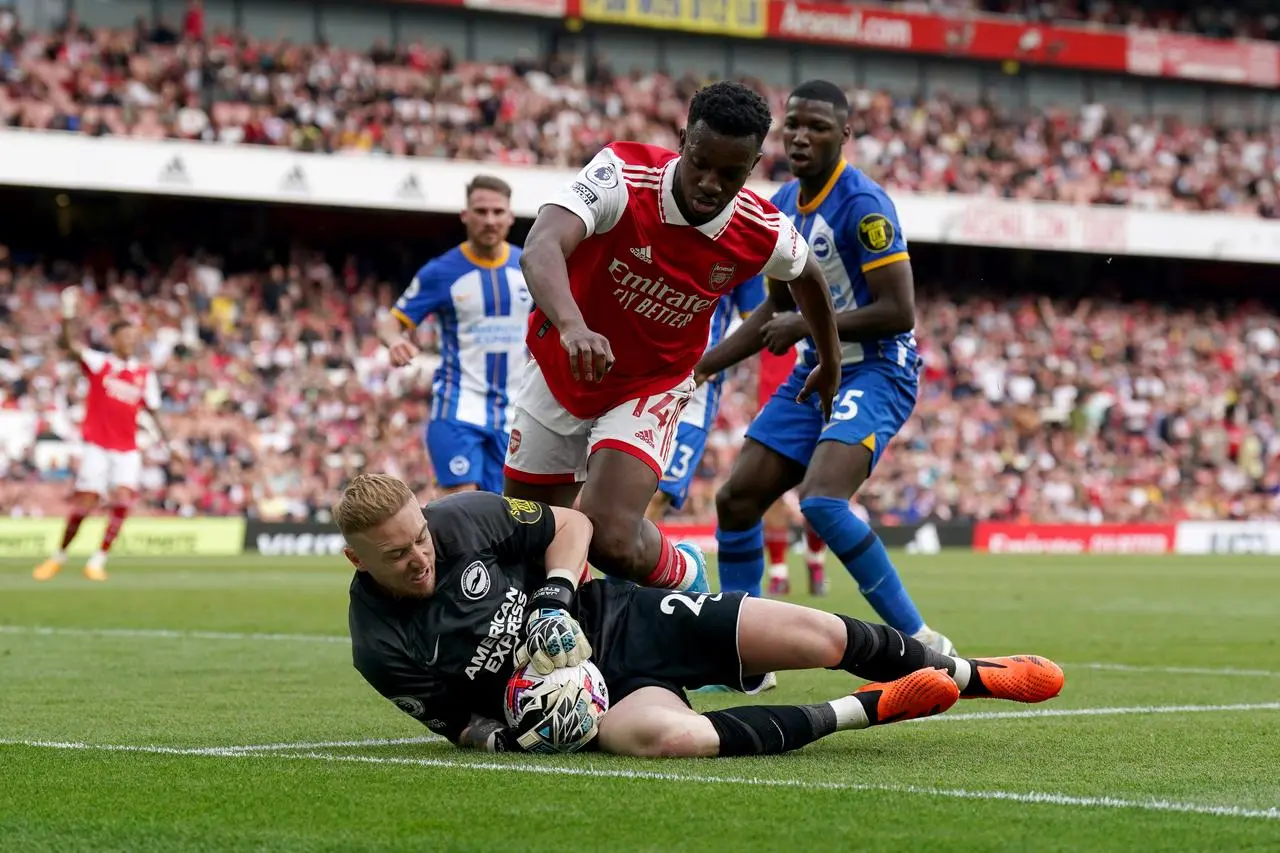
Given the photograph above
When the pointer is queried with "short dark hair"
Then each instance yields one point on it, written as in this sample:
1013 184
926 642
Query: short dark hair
824 91
731 109
118 325
488 182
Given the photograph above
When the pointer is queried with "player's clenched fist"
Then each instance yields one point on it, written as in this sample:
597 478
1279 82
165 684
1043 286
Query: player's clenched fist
402 351
590 355
553 639
824 380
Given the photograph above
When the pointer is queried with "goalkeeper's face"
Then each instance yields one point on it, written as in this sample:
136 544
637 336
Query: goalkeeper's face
398 554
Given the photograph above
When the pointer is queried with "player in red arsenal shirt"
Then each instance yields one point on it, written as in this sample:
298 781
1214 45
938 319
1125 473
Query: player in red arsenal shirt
110 465
626 265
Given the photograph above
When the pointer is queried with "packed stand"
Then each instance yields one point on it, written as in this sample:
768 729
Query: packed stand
420 101
1252 19
276 390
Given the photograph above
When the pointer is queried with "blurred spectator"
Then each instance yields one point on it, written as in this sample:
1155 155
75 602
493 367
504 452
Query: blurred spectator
560 110
277 391
1256 19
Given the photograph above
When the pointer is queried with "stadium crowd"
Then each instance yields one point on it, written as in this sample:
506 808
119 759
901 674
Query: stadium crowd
276 390
155 82
1255 19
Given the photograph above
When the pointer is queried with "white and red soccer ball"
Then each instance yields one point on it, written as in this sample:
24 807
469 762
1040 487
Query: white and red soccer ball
528 692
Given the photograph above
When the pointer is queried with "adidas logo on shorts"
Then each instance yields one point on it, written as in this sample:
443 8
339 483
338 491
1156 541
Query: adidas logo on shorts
646 435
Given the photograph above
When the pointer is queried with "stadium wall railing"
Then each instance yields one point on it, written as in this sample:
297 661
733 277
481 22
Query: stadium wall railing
281 176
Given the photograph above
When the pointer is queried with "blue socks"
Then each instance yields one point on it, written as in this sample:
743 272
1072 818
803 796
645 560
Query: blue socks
863 554
741 559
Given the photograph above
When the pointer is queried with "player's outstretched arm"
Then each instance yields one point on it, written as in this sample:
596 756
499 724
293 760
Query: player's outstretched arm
555 234
553 638
66 336
566 556
893 305
741 344
813 298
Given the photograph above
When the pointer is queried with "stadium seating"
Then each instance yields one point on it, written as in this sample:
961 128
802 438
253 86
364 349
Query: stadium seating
1035 411
420 101
1249 19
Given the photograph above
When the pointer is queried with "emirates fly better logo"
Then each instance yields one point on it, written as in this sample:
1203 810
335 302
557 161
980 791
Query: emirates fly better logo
655 299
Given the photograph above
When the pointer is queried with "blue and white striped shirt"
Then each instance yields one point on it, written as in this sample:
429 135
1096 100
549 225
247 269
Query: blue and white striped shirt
483 308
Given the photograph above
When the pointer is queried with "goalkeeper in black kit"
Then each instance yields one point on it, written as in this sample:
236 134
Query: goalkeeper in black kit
449 598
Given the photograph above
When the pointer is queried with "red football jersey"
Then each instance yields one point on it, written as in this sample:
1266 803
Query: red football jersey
648 280
117 389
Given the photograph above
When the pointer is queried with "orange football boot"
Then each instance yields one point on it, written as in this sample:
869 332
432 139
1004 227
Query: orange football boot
46 570
1020 678
923 693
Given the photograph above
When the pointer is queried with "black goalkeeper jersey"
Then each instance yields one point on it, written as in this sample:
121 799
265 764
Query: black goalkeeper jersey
449 657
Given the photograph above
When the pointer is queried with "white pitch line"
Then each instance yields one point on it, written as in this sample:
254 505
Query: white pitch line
1176 670
165 634
981 715
399 741
222 750
1100 712
1030 797
331 744
162 634
954 793
121 747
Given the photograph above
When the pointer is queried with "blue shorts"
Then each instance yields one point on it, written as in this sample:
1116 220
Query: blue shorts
875 399
691 441
466 454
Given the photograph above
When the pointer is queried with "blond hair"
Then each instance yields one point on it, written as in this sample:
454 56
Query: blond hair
369 500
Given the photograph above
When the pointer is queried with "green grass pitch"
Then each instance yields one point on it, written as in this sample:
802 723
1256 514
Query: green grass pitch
211 705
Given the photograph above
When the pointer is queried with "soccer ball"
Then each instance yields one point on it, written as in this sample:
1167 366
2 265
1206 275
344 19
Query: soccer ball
527 691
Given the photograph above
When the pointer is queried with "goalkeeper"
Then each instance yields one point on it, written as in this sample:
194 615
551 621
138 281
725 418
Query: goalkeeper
447 599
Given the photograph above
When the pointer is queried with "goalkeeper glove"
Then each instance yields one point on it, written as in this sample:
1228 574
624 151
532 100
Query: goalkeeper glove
567 725
553 638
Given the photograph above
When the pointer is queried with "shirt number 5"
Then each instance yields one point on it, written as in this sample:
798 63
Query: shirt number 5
847 408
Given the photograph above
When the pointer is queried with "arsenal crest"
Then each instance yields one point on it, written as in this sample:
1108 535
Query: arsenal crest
721 273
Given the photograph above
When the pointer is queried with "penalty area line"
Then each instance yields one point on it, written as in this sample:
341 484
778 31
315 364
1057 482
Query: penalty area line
535 767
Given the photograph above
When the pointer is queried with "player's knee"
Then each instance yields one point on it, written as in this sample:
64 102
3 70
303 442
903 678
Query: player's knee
829 636
675 739
813 487
615 537
736 509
